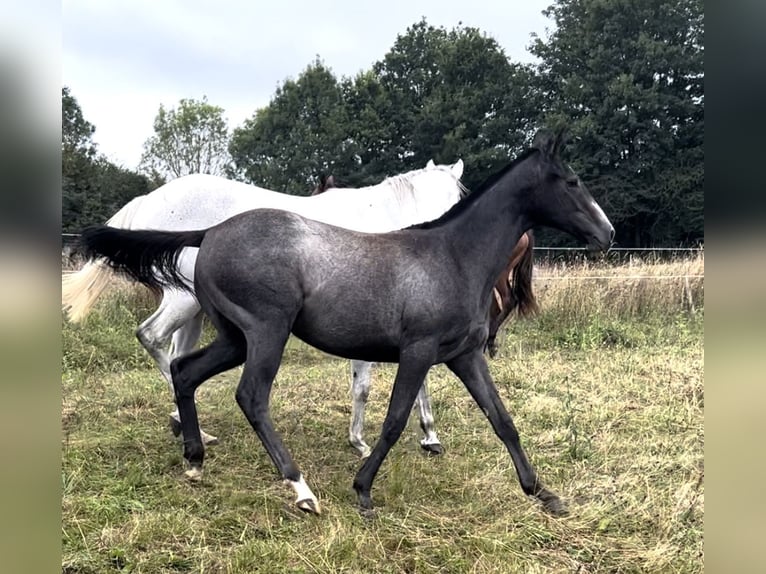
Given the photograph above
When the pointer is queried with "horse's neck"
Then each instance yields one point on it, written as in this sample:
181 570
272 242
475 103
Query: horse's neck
393 194
435 193
390 205
488 231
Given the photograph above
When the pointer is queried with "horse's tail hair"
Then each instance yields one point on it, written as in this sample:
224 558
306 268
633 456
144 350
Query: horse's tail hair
149 257
521 283
81 290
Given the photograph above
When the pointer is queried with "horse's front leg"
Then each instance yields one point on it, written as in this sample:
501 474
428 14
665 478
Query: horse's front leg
188 373
430 442
472 370
414 363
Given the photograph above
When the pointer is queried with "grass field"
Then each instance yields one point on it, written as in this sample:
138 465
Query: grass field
606 388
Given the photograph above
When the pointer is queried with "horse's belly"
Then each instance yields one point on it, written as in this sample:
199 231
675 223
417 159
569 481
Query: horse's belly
336 329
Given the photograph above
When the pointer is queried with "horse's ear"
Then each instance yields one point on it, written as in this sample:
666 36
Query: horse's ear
559 141
430 164
457 169
545 141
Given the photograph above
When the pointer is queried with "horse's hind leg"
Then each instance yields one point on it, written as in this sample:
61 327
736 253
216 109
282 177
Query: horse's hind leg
265 344
360 391
189 372
473 372
430 442
183 342
186 336
175 311
413 366
155 332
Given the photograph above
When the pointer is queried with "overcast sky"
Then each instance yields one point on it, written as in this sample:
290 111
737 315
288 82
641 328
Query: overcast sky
123 58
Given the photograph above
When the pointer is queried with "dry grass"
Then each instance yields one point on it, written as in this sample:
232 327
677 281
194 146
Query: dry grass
612 419
632 289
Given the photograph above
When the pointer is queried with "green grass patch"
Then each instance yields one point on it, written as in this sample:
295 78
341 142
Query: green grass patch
609 405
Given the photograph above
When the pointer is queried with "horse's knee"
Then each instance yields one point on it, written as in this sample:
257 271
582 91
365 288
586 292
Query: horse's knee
182 387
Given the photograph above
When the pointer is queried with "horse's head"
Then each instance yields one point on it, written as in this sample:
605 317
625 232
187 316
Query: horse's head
562 200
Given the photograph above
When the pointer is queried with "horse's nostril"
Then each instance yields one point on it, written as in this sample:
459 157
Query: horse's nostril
611 235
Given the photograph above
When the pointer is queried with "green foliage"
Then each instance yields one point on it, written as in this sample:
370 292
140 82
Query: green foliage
436 94
627 77
302 132
93 189
192 138
104 342
76 131
454 94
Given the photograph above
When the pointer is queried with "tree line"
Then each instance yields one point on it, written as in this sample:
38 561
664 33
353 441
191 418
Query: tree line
625 77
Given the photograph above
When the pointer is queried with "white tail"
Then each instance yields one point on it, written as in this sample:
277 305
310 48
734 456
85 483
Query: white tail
81 290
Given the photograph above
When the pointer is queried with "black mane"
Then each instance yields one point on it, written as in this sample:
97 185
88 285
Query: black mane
472 197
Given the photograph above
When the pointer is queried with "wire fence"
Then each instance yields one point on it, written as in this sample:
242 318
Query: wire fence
544 256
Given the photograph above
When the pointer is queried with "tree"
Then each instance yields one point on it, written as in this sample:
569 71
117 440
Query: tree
193 138
93 189
455 94
627 76
96 191
302 132
436 94
76 132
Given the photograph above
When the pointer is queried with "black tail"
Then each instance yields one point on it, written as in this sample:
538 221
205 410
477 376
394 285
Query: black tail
149 257
526 302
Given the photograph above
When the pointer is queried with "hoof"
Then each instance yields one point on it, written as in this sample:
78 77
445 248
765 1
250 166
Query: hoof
363 449
368 513
365 502
433 448
194 474
208 439
553 505
309 505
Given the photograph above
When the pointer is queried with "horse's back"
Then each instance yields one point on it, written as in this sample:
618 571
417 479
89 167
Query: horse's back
199 201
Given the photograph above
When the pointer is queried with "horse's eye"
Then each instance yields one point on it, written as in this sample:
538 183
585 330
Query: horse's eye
573 182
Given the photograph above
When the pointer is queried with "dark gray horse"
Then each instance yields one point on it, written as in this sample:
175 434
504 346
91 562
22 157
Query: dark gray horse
416 297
